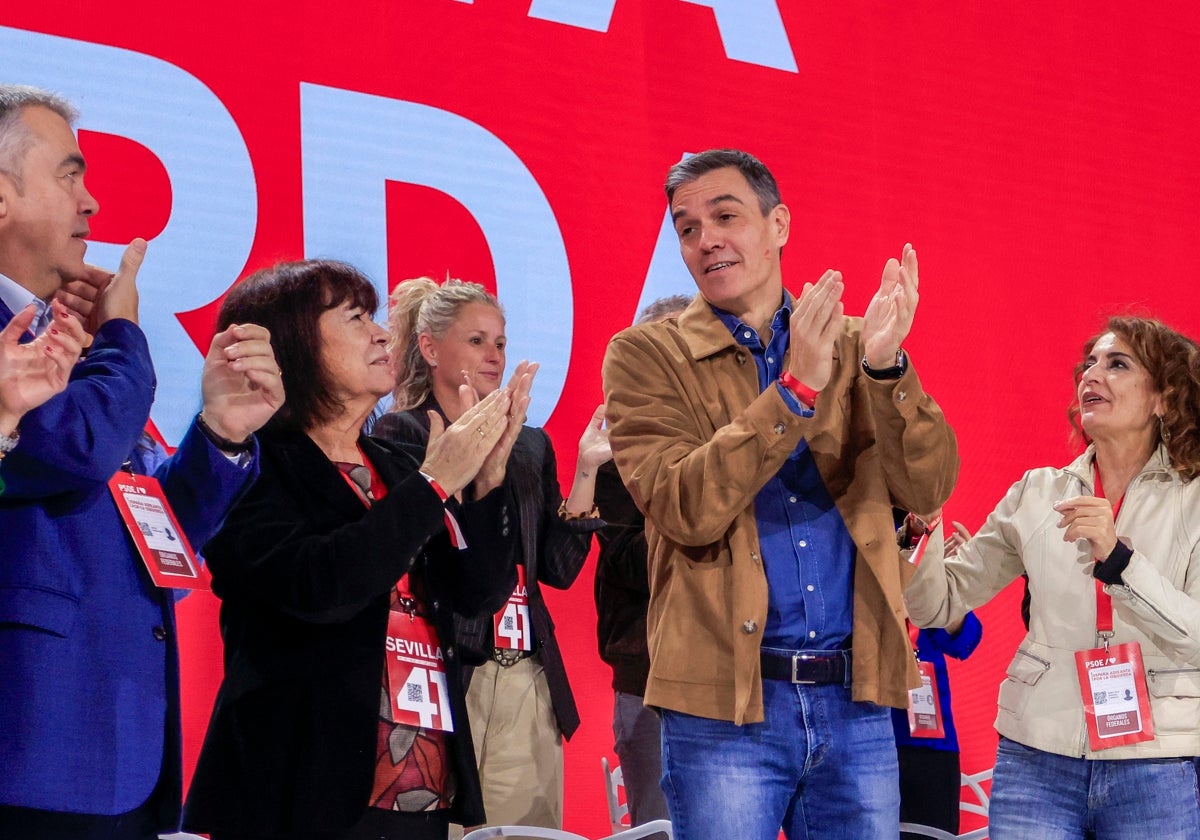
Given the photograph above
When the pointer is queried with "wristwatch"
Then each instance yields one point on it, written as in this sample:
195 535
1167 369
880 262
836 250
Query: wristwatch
894 372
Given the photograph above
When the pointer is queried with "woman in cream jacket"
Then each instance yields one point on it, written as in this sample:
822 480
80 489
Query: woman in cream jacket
1138 405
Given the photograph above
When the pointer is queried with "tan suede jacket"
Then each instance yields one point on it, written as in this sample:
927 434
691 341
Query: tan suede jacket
694 441
1158 605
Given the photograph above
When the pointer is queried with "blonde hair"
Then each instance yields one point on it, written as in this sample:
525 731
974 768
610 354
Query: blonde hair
421 306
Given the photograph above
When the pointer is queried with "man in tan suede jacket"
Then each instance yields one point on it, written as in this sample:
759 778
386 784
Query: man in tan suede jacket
767 439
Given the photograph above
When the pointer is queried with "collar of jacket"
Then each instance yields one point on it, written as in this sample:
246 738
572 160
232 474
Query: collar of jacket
1158 467
703 331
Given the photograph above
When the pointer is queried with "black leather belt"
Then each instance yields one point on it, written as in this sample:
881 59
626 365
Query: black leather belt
806 668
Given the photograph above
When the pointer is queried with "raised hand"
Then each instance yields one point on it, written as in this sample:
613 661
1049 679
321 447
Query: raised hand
957 539
889 316
100 295
241 382
32 373
1089 518
491 474
594 448
815 324
456 452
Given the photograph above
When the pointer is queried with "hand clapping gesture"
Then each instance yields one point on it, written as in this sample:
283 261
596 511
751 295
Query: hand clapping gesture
594 450
456 453
491 474
816 322
241 382
32 373
890 313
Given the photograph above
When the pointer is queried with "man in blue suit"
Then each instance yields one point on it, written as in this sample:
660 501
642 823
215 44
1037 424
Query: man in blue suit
89 694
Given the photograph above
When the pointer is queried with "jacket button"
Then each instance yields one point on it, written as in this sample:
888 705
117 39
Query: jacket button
504 532
900 396
160 634
749 627
780 428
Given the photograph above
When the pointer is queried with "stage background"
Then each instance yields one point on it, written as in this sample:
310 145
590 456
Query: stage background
1040 156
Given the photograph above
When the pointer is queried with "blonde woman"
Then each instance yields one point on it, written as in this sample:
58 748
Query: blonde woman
448 348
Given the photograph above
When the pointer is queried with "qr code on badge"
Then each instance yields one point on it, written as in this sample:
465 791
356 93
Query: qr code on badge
508 623
1099 697
416 693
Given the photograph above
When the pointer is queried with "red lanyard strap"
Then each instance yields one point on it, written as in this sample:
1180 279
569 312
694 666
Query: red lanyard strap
1104 612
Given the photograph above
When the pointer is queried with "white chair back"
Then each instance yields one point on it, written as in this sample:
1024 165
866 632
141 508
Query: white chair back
614 780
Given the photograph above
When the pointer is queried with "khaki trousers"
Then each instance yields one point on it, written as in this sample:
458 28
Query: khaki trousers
517 744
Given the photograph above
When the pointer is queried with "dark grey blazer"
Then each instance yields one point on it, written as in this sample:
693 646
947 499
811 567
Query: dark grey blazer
552 549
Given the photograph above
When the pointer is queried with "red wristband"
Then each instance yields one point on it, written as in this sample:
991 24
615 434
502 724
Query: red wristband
806 395
437 488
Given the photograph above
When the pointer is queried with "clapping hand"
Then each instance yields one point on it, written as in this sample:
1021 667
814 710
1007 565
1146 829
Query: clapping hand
456 453
495 466
241 383
594 448
32 373
890 313
815 325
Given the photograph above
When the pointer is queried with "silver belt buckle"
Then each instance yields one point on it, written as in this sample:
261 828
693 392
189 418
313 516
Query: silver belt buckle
796 660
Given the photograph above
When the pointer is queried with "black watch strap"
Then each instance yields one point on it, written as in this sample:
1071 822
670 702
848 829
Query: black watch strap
226 445
894 372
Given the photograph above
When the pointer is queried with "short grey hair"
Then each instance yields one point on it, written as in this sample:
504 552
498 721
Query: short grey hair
655 310
15 137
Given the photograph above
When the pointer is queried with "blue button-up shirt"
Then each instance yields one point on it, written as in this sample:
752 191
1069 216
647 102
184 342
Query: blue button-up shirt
806 549
17 297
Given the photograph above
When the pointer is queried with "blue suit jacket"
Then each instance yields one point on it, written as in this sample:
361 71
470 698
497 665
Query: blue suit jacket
89 691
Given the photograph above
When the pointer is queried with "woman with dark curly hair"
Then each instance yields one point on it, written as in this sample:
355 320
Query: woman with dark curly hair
1100 711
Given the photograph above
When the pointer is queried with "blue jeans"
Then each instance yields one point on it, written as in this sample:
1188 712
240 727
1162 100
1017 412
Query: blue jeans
1038 795
819 765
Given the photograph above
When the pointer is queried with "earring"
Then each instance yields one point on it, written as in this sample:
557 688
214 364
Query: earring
1163 431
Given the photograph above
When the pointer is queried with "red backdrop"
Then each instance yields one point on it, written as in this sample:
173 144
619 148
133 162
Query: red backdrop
1040 156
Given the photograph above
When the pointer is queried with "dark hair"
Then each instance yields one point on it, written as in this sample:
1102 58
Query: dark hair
1173 362
289 299
760 179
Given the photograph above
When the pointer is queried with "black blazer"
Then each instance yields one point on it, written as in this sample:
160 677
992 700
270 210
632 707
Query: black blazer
554 550
304 572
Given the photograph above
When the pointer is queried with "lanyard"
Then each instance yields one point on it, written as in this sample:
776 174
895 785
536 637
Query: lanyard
1104 613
